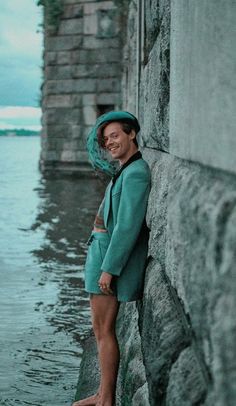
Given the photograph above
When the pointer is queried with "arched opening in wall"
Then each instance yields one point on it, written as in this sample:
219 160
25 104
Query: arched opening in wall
104 108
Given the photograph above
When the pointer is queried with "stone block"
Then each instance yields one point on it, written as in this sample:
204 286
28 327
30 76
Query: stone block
157 213
89 115
84 70
76 100
58 101
90 24
223 335
81 156
129 60
63 42
89 370
77 132
157 22
62 116
131 372
58 131
89 99
202 118
68 156
200 262
50 58
141 396
59 72
64 58
164 331
69 86
108 85
87 129
109 70
109 98
50 156
65 100
71 26
107 23
101 70
91 8
73 11
59 87
155 93
187 384
94 56
85 85
92 42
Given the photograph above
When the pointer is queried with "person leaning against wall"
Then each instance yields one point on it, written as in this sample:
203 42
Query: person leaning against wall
115 264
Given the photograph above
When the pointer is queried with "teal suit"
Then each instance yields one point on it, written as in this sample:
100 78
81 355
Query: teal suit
123 249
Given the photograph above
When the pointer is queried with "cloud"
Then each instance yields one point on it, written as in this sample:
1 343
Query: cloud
20 52
19 112
15 117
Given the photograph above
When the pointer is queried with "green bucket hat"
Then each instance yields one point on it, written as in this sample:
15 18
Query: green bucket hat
99 157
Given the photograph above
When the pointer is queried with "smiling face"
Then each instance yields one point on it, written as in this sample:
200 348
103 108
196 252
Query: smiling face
119 144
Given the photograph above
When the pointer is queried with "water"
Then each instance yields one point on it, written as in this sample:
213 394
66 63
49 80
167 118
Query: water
44 314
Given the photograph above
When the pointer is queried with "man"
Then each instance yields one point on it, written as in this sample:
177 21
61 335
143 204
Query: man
115 265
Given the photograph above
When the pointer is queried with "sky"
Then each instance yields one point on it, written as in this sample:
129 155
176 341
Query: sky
20 64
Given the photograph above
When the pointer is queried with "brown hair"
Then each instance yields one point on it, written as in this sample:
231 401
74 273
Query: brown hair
126 125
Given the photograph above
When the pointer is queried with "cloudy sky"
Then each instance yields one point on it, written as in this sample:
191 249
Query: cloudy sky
20 63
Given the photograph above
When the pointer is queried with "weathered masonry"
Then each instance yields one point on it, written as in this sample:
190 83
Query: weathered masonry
82 79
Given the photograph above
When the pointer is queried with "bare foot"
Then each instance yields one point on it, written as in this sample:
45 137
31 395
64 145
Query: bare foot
90 401
105 402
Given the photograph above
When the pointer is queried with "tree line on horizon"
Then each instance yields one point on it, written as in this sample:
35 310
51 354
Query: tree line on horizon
19 132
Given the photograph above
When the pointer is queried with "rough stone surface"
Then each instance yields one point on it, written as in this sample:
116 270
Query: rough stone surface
132 375
186 384
168 336
155 117
130 74
203 120
154 88
150 69
157 213
201 254
88 383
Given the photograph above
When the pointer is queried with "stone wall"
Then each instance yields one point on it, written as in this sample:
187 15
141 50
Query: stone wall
178 345
82 76
186 321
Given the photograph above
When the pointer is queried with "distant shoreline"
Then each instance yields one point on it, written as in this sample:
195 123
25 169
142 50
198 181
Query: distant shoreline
19 133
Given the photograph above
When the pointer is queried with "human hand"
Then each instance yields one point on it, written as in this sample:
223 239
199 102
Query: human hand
105 282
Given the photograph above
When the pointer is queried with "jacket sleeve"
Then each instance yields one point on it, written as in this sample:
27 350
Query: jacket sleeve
130 217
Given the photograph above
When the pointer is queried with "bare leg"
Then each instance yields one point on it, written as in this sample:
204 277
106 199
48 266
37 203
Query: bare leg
104 312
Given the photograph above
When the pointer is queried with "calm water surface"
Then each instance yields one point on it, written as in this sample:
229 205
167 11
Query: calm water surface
44 315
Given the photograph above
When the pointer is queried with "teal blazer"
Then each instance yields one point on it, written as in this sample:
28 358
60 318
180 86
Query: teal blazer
124 217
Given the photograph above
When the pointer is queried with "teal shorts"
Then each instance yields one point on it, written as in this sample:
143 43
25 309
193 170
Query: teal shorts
98 244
